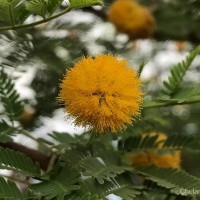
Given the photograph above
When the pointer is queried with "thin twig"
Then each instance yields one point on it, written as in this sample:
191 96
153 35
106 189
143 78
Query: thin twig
40 142
156 104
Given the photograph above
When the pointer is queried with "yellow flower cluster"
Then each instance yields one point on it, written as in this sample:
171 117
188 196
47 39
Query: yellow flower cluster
131 18
102 93
164 160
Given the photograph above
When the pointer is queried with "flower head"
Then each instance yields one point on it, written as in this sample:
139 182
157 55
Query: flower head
102 93
157 158
167 160
131 18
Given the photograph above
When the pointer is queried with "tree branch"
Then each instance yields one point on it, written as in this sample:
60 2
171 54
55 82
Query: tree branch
171 102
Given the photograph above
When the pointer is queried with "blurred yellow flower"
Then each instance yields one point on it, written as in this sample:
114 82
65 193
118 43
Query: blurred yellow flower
102 93
131 18
162 160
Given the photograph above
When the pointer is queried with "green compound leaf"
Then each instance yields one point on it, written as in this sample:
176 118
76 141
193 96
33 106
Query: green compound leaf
118 186
19 162
172 179
96 168
133 143
8 190
9 97
178 72
60 186
6 131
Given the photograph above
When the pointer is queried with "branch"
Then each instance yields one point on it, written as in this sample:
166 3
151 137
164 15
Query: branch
170 102
35 155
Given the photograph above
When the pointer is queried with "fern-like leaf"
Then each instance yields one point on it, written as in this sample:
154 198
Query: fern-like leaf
58 187
17 48
6 131
171 179
178 72
120 187
9 97
8 190
178 141
64 139
133 143
187 94
75 157
96 168
19 162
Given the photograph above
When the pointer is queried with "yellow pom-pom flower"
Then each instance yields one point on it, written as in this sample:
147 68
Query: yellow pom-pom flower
131 18
162 160
102 93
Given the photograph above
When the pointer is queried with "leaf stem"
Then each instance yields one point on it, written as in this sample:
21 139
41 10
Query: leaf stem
90 140
35 139
11 15
171 102
141 68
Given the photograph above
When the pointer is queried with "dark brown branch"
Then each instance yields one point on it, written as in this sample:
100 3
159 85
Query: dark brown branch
35 155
